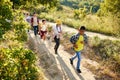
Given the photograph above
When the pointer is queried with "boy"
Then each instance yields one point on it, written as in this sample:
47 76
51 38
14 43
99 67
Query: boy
78 47
35 23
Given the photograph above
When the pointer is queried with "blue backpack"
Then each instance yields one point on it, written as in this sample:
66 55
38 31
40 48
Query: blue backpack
75 37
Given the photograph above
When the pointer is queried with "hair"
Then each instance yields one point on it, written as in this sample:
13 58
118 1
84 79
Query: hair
27 13
43 20
34 13
82 28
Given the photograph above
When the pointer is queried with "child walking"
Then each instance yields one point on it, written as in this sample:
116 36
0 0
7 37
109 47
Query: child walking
78 47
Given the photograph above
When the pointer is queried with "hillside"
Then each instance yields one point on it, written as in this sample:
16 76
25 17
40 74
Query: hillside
24 56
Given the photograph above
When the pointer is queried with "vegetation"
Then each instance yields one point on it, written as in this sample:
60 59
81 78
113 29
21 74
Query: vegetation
16 61
104 52
105 19
94 20
92 6
29 3
5 13
107 50
17 64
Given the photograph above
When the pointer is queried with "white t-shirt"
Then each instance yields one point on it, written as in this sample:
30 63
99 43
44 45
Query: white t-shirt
35 23
28 19
44 27
56 31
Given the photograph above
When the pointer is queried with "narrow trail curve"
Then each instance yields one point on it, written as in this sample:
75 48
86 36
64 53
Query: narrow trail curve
68 29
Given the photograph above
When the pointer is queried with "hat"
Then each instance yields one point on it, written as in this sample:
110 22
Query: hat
58 21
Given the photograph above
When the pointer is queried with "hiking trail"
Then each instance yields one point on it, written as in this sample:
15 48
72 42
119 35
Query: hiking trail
62 61
69 30
68 71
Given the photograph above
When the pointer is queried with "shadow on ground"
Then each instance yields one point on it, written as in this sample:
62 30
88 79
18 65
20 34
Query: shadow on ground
46 60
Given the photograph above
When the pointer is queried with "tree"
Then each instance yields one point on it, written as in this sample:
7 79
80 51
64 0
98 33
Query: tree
5 13
110 6
49 3
91 5
5 9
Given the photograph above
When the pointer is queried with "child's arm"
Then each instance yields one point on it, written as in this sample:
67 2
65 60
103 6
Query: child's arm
75 46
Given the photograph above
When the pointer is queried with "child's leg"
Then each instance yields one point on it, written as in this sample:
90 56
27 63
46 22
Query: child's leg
74 57
79 59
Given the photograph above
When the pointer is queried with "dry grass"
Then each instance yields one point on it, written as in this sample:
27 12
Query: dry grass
102 72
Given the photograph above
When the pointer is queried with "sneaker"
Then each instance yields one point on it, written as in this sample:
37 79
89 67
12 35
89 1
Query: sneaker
79 71
71 61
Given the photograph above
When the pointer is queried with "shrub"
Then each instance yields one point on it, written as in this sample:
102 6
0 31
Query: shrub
108 50
17 64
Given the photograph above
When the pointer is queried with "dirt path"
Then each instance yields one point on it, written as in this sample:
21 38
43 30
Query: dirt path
62 61
69 70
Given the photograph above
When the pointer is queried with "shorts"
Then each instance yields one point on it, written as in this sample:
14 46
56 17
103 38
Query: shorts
43 33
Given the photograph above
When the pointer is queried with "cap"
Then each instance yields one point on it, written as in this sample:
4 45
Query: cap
58 21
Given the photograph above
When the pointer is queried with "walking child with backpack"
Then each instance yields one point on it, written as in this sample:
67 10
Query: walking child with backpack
35 23
78 42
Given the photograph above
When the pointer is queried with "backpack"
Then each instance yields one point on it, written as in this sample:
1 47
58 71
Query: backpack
32 20
75 37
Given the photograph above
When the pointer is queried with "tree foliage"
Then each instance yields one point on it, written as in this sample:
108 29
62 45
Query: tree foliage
17 64
5 13
48 3
80 13
92 6
110 6
5 9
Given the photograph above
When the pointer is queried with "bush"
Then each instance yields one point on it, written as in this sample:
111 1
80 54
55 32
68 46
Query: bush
59 7
80 14
17 64
5 13
108 50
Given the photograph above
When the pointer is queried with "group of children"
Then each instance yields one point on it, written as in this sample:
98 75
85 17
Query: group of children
42 29
38 27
